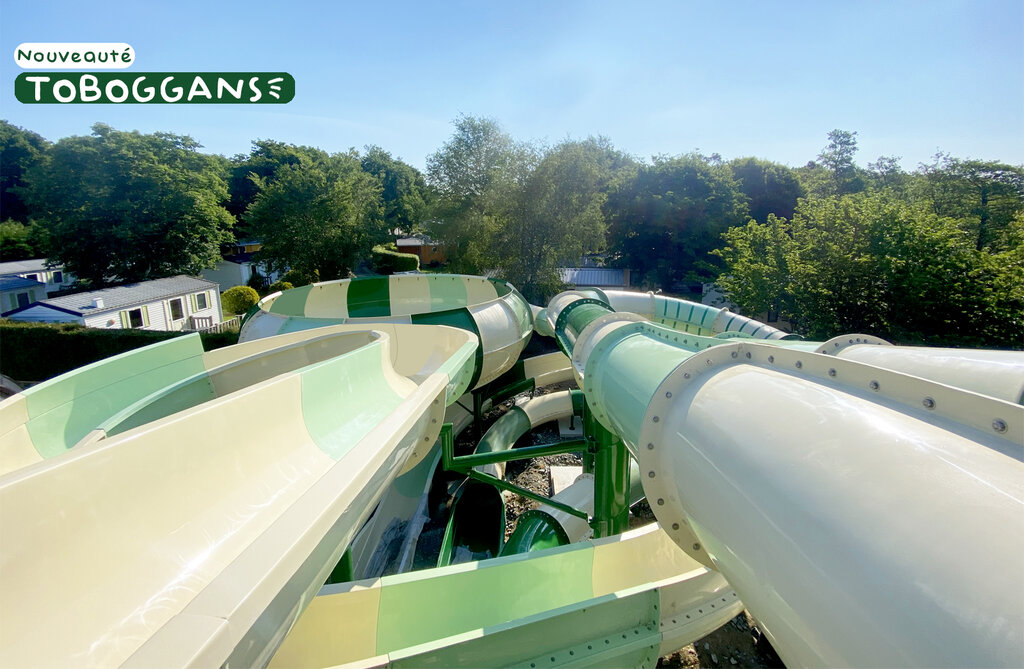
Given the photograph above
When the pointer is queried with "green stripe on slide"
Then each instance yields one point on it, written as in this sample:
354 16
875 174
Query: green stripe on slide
447 292
346 397
291 302
368 298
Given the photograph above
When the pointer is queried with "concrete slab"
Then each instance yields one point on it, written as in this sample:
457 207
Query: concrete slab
563 476
570 427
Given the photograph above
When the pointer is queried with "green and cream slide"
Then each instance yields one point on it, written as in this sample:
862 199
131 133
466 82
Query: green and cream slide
174 507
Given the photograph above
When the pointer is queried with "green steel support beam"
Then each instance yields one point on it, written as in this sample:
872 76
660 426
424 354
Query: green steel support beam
463 462
611 479
529 494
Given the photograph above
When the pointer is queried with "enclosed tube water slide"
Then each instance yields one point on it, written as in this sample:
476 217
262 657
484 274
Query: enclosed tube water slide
174 508
844 501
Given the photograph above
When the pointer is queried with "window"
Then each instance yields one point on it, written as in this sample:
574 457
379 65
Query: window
23 300
177 309
58 277
32 277
201 302
134 318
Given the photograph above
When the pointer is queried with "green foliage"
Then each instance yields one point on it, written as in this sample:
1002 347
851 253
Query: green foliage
558 217
770 188
386 261
238 299
257 281
875 263
20 150
279 286
404 194
39 351
476 174
986 195
249 173
21 242
123 206
667 219
318 218
297 278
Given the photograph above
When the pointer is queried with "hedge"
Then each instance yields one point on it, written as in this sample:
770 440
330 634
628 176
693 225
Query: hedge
34 352
389 262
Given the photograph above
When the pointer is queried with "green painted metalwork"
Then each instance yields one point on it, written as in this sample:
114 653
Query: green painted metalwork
367 298
611 479
529 494
462 462
535 530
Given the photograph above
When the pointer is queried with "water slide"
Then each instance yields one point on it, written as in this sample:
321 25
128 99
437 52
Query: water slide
184 528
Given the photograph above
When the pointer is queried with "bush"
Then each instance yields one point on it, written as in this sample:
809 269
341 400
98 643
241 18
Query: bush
389 262
279 286
239 299
297 278
35 352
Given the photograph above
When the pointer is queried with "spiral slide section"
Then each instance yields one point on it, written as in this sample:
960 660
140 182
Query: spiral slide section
491 309
859 512
196 539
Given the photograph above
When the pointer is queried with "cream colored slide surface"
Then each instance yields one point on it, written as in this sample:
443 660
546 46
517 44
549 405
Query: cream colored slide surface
198 538
621 601
491 309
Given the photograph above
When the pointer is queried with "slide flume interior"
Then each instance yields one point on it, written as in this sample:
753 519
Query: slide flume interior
491 309
850 491
193 538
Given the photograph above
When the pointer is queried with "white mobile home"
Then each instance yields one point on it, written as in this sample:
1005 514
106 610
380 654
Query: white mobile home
54 278
174 303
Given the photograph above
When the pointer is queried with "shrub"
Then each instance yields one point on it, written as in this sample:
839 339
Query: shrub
35 352
297 278
279 286
239 299
389 262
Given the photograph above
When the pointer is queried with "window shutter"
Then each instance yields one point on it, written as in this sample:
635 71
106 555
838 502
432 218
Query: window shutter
145 316
192 299
125 323
14 300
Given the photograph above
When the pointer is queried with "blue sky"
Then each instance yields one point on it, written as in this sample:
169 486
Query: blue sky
768 79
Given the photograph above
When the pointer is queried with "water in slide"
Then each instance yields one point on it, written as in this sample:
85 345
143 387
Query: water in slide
188 516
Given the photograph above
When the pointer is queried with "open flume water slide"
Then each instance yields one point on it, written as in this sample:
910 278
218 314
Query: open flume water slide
174 508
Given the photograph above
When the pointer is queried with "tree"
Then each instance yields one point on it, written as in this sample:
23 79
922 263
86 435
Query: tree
834 173
558 215
404 193
987 195
123 206
20 150
770 188
476 175
873 262
665 221
21 242
757 259
247 172
318 219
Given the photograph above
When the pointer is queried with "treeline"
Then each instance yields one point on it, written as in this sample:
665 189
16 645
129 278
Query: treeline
936 254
